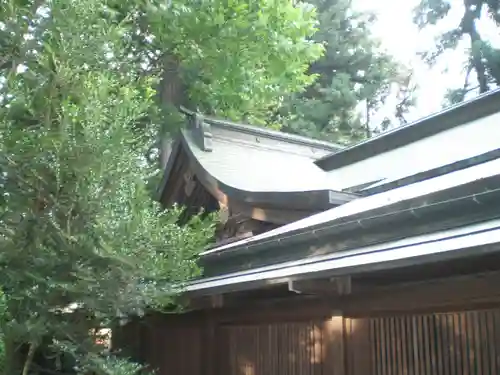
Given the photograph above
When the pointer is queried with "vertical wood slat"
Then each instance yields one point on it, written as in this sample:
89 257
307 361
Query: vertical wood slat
359 348
478 350
383 346
390 341
426 352
449 344
457 344
402 344
440 357
490 329
443 344
483 337
374 346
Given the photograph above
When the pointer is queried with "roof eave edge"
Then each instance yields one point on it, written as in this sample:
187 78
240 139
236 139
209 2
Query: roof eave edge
449 118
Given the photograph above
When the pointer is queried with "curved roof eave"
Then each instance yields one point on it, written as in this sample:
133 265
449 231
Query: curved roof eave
317 199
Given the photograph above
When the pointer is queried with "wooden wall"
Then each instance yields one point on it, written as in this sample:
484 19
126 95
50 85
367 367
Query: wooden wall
440 344
310 347
461 343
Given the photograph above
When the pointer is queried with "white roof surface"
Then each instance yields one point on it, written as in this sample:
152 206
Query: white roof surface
403 193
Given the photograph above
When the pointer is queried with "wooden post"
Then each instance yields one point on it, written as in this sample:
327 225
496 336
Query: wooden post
334 357
358 346
210 348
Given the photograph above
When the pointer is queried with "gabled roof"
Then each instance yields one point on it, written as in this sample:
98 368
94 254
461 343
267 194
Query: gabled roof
454 116
259 166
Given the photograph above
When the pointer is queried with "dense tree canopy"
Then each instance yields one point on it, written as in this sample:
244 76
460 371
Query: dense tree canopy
354 72
482 67
231 59
78 226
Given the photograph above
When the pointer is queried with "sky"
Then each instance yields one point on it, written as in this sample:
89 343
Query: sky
400 37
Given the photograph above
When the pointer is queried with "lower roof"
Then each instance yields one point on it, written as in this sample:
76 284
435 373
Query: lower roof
370 206
479 238
457 208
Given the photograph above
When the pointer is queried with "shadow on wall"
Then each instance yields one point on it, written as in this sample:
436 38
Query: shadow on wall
313 347
465 343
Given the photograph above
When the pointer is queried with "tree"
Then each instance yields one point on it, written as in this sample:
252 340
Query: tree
353 72
231 59
82 243
483 60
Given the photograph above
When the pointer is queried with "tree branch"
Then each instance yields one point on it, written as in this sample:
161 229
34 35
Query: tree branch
29 358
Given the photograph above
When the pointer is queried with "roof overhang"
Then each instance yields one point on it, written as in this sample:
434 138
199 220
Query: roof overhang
463 189
480 238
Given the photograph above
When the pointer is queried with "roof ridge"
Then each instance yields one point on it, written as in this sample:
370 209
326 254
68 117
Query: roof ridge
268 133
267 147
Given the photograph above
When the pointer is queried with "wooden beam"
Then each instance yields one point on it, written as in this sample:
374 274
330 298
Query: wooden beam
271 215
440 295
472 292
337 286
215 301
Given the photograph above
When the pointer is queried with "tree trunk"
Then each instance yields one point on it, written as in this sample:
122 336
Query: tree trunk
172 94
468 26
478 63
13 362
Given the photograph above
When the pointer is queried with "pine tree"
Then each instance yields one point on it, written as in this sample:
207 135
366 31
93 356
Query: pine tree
482 65
354 76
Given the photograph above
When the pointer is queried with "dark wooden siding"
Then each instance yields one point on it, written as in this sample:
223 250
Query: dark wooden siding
180 351
461 343
166 346
308 348
465 343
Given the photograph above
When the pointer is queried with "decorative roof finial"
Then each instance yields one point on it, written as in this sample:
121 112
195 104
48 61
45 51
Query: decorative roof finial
202 133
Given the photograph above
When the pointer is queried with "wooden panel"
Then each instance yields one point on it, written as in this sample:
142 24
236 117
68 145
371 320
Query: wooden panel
471 292
178 351
465 343
462 343
292 348
358 346
163 346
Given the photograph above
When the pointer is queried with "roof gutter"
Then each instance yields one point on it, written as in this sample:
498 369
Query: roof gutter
479 239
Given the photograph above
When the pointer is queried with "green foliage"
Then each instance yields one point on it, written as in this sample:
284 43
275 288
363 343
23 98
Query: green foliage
234 59
3 317
430 12
77 223
482 65
353 71
244 54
